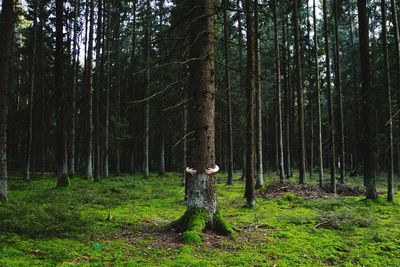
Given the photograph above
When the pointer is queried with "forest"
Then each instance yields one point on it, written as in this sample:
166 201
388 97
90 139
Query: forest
199 133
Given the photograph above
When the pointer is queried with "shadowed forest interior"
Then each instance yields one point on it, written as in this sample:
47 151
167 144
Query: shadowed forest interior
179 132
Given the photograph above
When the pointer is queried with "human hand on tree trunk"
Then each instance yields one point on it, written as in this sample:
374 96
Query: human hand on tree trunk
208 171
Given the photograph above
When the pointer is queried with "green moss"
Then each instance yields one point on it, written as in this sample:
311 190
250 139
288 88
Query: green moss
222 226
191 237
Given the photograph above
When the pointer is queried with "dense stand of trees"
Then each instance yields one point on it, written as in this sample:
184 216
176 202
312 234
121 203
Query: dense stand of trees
99 88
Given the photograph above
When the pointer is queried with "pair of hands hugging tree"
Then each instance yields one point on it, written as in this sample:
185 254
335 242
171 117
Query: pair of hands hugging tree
208 171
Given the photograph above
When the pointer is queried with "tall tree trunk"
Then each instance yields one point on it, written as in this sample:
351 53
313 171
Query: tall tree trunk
258 94
146 136
88 87
7 20
133 69
318 93
287 100
311 99
397 69
300 97
366 96
31 93
338 84
98 89
75 69
282 175
42 87
330 101
202 197
229 95
61 94
107 94
386 83
250 107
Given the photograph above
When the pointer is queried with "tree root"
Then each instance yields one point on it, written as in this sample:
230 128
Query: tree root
194 221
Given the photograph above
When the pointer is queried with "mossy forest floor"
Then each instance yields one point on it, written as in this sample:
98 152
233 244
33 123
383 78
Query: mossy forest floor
122 221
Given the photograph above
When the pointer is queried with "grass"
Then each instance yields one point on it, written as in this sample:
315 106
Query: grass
123 221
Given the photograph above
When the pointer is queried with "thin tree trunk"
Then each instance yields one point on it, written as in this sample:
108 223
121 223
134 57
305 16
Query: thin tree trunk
133 69
107 96
386 83
366 100
61 145
287 100
250 95
311 99
42 88
75 68
338 84
397 68
31 93
98 89
146 105
7 20
162 151
258 94
282 175
318 93
228 92
300 97
330 101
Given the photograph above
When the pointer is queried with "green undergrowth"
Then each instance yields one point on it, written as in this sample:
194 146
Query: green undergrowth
124 221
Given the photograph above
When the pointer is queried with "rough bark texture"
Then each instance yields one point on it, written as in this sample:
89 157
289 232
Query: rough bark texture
318 94
250 107
386 83
202 209
330 101
366 102
6 37
300 95
61 94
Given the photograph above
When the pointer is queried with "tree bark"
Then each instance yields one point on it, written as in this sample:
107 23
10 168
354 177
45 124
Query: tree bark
330 101
6 38
300 95
31 93
61 145
98 89
386 83
258 102
366 96
338 84
146 92
318 96
250 107
202 208
282 175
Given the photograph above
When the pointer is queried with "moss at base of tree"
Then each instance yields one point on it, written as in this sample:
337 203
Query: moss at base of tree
194 221
222 226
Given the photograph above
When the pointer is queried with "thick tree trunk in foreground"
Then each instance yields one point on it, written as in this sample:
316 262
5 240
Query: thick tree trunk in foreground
318 93
386 82
6 37
330 101
61 94
250 107
300 95
202 210
366 102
